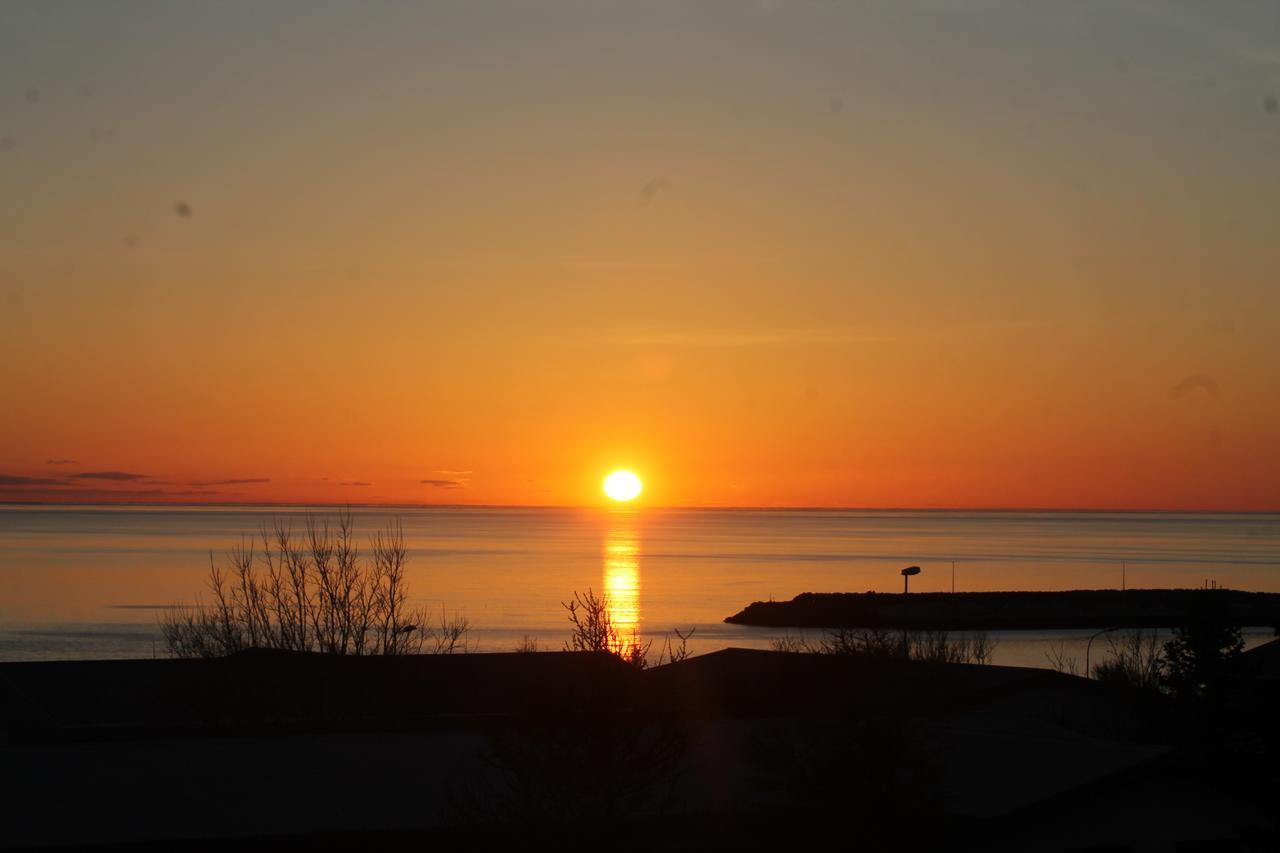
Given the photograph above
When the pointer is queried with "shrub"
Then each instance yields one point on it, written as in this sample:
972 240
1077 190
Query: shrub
593 630
933 646
312 593
676 652
1136 660
1062 661
1203 653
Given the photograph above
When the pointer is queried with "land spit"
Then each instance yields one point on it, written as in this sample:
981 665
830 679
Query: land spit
1011 611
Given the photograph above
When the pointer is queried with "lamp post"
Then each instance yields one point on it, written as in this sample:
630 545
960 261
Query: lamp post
1089 647
906 576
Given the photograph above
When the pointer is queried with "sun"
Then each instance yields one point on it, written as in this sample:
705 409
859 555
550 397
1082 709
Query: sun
622 486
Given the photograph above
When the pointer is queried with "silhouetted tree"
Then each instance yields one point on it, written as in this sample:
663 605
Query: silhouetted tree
1204 652
1136 660
312 593
593 630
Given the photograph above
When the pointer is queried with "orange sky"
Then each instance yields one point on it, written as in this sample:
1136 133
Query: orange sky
793 254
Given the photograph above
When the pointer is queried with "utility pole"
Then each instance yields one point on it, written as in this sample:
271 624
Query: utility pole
1124 571
953 577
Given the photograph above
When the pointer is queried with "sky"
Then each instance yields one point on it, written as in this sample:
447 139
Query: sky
866 254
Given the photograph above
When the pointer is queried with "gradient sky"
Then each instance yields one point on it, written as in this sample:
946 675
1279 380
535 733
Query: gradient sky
907 254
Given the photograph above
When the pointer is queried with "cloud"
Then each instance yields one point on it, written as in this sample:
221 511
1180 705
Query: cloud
13 480
449 473
652 187
352 483
1196 382
109 475
59 461
244 482
444 484
88 495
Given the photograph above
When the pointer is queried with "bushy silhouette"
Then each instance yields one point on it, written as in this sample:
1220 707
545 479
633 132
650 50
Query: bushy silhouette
1204 652
1061 660
312 592
1136 660
594 630
932 646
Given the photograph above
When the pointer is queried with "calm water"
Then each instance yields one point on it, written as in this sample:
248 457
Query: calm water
91 582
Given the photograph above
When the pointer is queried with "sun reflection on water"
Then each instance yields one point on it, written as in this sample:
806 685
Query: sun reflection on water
622 580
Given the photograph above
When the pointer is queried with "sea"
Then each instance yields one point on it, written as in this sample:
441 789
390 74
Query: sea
93 582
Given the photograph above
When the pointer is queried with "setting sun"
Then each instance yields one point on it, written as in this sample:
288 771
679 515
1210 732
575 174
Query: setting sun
622 485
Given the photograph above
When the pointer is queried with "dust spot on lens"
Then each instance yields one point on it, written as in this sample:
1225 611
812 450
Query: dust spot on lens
182 209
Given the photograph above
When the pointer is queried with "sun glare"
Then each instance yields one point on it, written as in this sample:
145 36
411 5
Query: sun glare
622 485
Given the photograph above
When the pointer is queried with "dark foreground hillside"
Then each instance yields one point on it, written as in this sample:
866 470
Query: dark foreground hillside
1010 611
742 750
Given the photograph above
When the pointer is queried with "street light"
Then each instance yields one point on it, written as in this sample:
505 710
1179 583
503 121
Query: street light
906 576
1089 647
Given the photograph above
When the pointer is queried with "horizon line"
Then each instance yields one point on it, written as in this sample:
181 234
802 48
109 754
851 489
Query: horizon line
715 507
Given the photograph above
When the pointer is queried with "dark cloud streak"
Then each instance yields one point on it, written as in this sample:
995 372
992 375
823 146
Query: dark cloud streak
14 480
92 495
122 476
